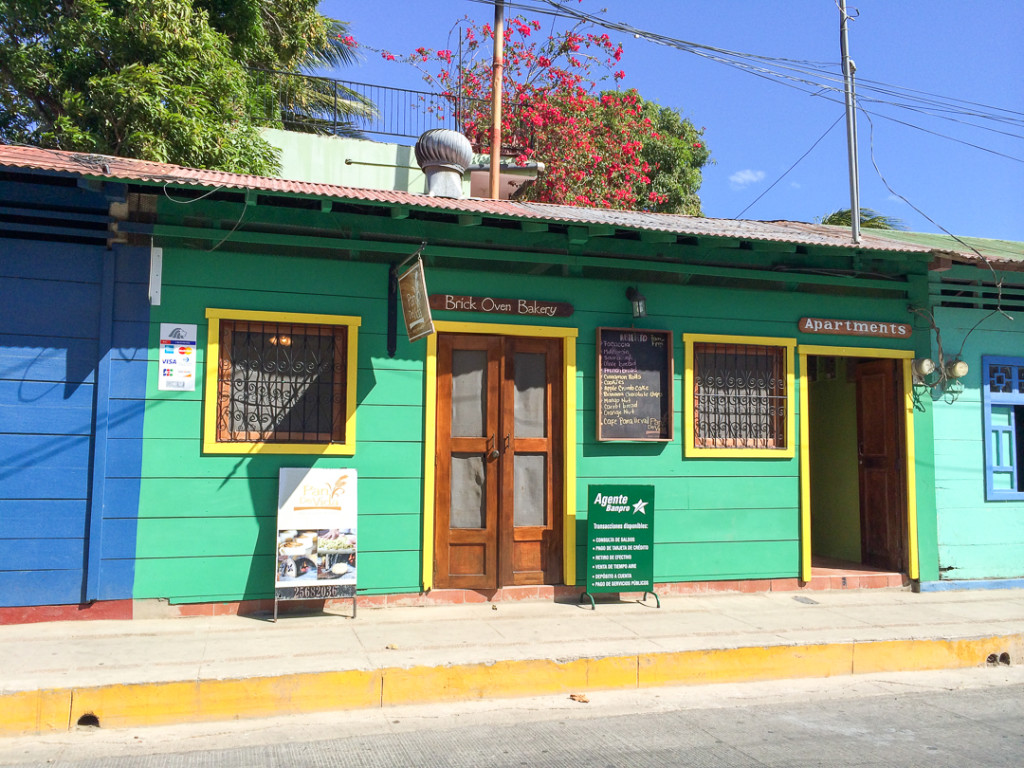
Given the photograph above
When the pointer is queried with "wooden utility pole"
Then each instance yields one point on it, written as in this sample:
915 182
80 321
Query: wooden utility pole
496 80
851 122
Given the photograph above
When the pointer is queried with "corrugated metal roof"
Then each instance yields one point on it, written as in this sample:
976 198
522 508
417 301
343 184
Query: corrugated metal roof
972 248
128 169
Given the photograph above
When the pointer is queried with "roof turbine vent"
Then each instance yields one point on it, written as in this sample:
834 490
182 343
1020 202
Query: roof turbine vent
444 156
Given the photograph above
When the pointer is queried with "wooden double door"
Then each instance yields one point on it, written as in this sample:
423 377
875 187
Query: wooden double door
498 470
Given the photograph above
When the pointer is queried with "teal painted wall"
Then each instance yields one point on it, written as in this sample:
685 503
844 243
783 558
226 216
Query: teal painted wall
206 527
977 539
348 162
835 492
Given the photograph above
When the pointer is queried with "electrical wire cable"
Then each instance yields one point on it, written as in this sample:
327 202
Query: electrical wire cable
794 165
815 78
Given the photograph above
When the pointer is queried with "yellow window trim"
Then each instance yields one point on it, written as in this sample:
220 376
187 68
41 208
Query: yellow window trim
905 357
210 444
692 451
568 336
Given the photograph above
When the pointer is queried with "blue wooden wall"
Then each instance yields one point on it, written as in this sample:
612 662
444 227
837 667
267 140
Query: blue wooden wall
71 311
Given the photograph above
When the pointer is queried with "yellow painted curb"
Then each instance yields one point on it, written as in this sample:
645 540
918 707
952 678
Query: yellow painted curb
742 664
122 706
915 655
34 711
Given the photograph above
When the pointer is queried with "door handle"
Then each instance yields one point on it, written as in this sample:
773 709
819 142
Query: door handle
494 452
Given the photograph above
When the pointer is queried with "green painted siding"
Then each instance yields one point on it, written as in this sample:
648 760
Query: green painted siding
977 539
207 521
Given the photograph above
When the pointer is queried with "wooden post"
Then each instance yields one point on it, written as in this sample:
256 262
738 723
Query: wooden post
499 53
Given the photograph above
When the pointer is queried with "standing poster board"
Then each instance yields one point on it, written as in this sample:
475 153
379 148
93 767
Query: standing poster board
316 535
634 384
620 540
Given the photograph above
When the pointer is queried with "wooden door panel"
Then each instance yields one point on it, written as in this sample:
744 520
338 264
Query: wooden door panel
880 456
465 541
522 418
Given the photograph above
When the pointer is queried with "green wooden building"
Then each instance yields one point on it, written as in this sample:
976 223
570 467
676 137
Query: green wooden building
791 432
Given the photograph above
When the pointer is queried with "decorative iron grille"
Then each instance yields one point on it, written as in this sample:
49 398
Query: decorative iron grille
1005 378
280 382
739 398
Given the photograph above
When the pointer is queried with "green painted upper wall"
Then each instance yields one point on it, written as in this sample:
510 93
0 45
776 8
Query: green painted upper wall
348 162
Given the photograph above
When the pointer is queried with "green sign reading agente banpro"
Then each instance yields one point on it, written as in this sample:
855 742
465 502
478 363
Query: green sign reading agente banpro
620 540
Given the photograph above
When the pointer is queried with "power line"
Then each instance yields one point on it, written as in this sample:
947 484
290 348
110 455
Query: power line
806 76
794 165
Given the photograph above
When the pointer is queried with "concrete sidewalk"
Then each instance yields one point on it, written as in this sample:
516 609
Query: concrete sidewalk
165 671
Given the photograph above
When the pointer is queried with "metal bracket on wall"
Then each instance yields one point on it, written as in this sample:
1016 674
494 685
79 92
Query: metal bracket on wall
156 272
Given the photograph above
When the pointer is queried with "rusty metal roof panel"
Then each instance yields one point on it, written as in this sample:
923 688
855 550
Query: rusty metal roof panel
128 169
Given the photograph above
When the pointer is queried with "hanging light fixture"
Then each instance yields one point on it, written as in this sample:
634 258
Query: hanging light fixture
638 301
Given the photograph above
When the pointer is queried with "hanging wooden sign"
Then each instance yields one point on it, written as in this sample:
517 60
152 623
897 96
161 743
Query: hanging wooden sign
412 289
834 327
529 307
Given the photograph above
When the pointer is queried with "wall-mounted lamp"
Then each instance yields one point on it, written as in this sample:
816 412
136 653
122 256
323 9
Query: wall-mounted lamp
956 369
922 367
638 301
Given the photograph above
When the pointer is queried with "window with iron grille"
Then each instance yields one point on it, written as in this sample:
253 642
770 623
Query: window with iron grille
280 385
1002 388
740 397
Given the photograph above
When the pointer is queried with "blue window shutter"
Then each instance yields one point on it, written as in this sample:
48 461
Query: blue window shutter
1001 385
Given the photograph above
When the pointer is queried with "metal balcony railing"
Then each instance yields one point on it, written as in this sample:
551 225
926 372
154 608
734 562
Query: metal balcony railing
312 104
344 107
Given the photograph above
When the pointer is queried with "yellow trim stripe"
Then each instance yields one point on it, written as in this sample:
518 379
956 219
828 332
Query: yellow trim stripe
908 399
210 444
569 463
805 350
568 335
429 457
816 349
805 474
692 451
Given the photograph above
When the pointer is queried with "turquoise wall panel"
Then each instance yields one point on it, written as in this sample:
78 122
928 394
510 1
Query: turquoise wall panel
977 539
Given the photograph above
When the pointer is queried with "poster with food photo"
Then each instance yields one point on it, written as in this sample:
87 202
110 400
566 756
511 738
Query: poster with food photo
316 533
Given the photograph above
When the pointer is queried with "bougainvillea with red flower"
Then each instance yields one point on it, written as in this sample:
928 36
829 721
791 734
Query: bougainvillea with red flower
603 148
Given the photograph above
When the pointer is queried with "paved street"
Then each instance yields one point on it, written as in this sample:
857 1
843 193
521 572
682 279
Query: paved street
953 718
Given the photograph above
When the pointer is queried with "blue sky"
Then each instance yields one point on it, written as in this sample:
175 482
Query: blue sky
965 53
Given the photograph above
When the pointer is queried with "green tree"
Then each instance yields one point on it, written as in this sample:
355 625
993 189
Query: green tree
676 152
164 80
869 219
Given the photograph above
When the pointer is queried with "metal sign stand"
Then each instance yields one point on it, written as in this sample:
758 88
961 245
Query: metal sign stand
620 540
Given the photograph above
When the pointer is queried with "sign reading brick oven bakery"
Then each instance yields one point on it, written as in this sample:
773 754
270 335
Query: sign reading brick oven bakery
529 307
834 327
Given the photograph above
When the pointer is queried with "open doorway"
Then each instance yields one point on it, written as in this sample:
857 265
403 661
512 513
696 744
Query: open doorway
857 461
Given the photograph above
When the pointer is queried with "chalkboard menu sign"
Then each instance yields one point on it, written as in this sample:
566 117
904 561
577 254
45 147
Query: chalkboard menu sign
634 384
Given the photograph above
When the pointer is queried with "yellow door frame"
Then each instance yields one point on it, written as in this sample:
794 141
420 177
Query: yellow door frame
568 336
905 356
